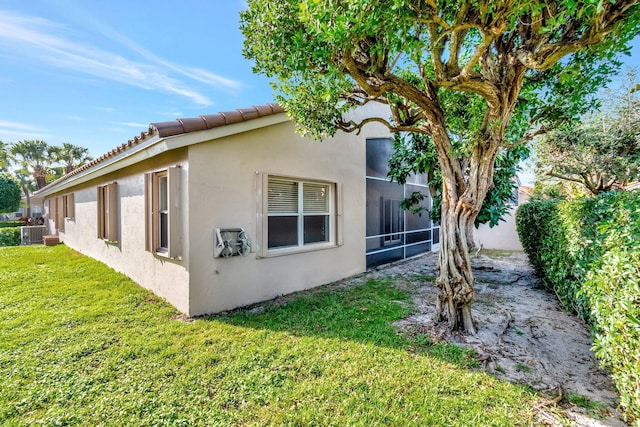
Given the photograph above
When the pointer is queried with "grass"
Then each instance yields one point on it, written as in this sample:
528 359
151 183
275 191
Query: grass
593 407
83 345
496 253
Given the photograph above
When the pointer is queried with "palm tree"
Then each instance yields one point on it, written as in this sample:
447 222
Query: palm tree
34 157
72 156
33 160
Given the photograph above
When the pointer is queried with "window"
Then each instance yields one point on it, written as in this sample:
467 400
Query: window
53 214
162 192
69 206
297 214
108 212
392 221
60 208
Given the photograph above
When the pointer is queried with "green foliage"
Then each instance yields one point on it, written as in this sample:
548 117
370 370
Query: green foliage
9 194
416 154
588 252
4 224
4 156
39 163
10 236
600 152
319 52
92 348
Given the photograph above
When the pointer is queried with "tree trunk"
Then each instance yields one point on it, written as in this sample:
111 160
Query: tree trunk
27 197
455 279
40 175
461 203
471 244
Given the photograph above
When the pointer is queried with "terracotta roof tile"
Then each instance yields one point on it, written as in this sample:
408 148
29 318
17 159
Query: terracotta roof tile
181 126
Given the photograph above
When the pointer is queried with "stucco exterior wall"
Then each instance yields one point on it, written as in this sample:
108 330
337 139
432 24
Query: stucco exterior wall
165 277
223 193
502 236
218 170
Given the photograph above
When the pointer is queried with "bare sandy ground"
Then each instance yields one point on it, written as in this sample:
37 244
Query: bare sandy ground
524 335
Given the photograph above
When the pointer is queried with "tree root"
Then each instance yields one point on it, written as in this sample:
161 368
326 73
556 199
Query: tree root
546 415
506 326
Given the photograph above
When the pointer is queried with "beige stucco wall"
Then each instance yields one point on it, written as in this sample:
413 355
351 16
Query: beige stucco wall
223 194
166 278
504 235
219 168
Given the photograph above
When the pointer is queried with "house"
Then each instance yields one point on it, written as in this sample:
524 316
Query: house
229 209
34 208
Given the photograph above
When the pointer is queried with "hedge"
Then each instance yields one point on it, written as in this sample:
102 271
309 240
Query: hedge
10 236
5 224
588 252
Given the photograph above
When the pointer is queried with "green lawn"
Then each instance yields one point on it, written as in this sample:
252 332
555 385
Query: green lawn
83 345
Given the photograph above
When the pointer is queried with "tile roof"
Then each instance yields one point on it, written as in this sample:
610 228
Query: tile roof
178 127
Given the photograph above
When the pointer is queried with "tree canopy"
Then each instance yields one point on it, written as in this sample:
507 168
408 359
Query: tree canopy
9 194
600 152
4 157
474 76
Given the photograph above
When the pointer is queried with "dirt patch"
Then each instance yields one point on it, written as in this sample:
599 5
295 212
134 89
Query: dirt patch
524 335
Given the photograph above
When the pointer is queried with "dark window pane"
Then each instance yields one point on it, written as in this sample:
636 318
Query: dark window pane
419 236
417 249
377 191
392 221
283 231
384 257
379 150
418 221
164 230
436 235
316 228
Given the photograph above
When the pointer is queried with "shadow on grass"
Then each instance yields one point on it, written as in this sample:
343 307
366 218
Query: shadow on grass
363 313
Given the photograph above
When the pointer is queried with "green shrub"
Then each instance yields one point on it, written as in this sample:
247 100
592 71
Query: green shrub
5 224
10 236
588 252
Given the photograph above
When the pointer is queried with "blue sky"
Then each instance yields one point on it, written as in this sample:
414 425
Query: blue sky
96 73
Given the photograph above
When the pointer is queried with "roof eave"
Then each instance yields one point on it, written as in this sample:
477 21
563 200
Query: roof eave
155 146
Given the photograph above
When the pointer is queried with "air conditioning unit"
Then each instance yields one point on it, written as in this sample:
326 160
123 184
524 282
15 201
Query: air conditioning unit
230 242
32 234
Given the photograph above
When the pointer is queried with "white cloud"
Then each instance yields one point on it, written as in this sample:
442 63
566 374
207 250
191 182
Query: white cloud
38 39
18 126
174 114
134 124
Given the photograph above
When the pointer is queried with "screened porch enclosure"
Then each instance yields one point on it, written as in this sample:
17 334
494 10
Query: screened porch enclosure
393 233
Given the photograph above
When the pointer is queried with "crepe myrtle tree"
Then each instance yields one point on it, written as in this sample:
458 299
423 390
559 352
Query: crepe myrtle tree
475 76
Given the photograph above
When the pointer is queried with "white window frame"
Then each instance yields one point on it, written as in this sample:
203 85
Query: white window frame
335 216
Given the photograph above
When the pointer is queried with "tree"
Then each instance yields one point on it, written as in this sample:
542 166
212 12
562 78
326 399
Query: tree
34 160
35 157
72 156
4 157
414 153
475 76
602 152
9 194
